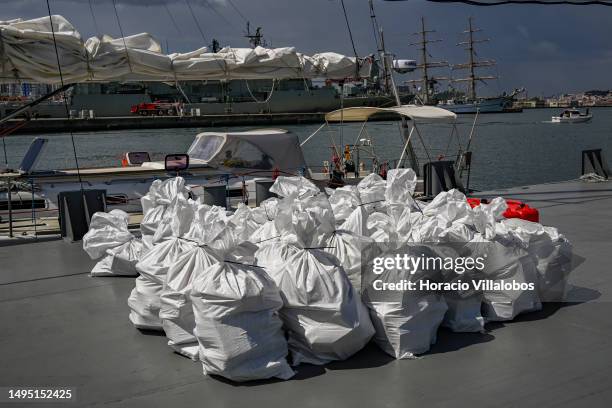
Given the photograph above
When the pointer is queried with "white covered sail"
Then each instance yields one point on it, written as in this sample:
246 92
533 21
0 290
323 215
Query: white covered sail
27 52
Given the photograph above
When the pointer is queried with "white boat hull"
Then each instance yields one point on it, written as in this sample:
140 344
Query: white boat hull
575 119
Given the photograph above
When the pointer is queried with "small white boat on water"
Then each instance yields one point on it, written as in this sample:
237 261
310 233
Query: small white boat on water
572 116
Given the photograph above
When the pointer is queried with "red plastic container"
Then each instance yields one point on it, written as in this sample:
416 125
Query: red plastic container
516 209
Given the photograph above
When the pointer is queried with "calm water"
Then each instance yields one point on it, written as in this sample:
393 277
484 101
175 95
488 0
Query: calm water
508 149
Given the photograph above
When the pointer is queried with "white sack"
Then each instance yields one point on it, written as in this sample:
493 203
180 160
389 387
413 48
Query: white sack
352 251
106 231
343 200
144 305
153 268
464 313
508 263
551 252
372 192
244 222
155 202
120 261
237 325
325 318
400 187
322 312
176 309
155 262
109 238
408 325
296 185
357 222
406 321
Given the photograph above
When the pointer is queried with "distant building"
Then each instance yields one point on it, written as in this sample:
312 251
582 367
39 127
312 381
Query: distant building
531 103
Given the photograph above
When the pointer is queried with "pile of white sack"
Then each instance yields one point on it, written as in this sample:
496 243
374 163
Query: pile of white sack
250 291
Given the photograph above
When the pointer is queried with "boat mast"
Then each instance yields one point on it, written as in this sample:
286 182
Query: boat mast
427 81
380 48
387 63
473 63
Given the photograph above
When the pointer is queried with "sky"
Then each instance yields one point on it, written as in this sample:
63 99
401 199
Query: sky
547 49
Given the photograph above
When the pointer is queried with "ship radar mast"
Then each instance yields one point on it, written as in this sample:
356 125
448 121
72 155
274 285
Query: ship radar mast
255 39
473 63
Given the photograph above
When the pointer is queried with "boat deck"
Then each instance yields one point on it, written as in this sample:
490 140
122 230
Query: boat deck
64 328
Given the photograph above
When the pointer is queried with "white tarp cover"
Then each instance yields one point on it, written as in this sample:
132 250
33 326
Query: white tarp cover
27 52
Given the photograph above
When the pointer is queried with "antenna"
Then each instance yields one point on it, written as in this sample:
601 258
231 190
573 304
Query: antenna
256 39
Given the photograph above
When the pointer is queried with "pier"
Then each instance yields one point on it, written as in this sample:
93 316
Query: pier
68 329
56 125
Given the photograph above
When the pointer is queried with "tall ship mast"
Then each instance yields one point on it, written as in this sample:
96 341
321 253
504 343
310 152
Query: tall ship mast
427 80
472 103
473 62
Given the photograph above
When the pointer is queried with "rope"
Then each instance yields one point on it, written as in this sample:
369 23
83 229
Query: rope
93 17
218 13
231 3
593 178
243 264
267 239
127 54
178 29
246 81
348 27
312 135
195 20
59 68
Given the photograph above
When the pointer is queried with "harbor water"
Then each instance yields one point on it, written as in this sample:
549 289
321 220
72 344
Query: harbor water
508 149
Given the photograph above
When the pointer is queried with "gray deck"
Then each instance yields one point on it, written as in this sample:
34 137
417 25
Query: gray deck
61 327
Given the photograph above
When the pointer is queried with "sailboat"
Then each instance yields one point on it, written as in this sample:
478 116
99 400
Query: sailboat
472 103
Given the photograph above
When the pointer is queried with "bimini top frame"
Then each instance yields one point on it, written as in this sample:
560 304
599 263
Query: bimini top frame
416 115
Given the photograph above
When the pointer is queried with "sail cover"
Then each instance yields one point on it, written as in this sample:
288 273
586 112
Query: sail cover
27 52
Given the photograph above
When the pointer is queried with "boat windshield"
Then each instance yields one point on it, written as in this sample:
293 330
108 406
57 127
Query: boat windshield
242 154
205 147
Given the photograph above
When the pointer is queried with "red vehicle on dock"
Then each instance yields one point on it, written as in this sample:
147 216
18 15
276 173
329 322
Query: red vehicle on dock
159 108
